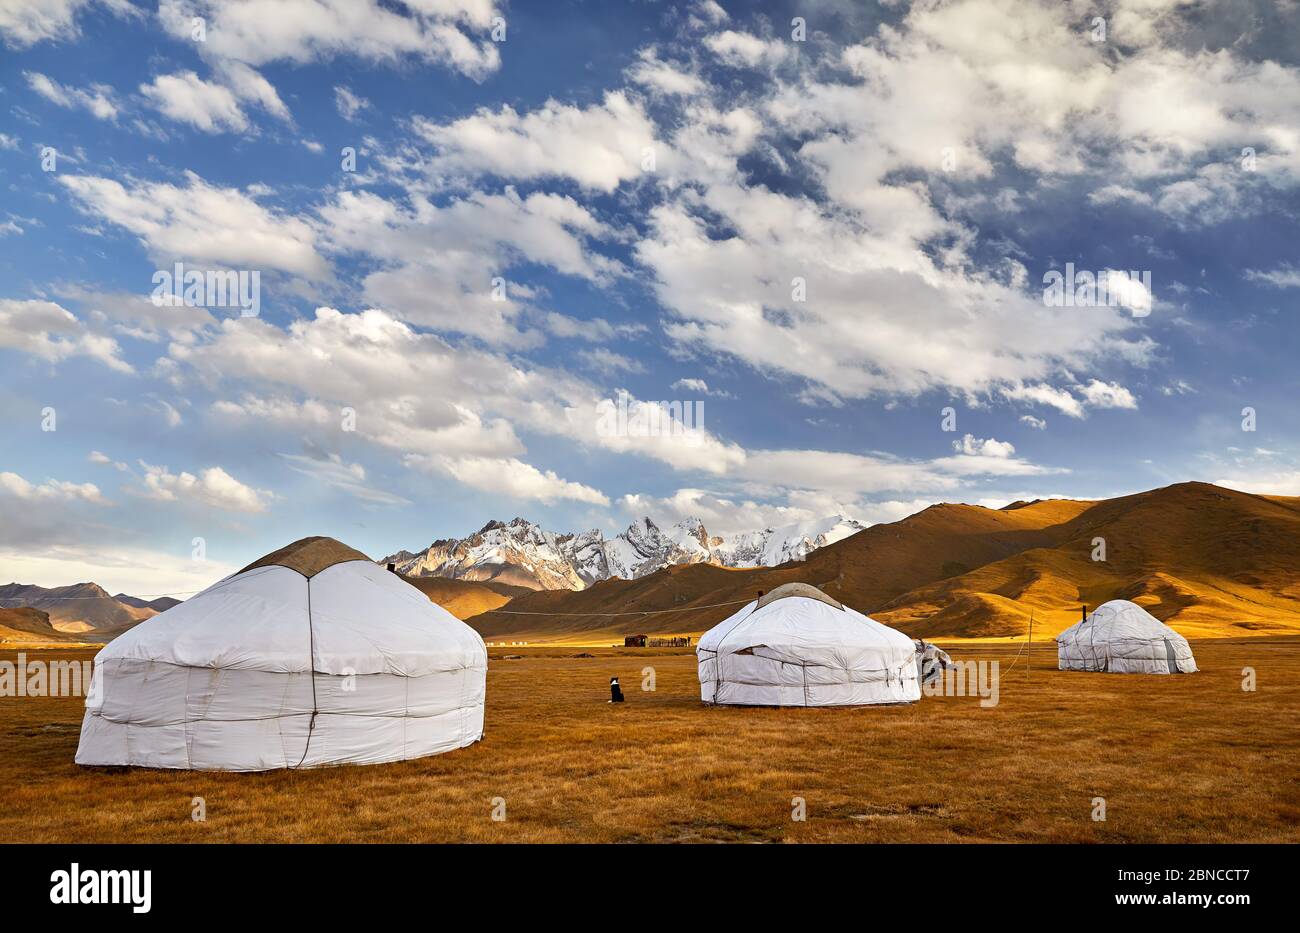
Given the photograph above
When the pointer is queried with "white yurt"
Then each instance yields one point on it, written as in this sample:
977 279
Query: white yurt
313 655
795 646
1120 637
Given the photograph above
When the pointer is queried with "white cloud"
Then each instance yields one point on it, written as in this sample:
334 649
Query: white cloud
455 411
438 263
1261 471
1275 483
721 514
662 77
98 99
704 13
510 477
138 316
783 487
11 484
187 98
50 332
105 460
212 487
1284 276
1040 394
171 416
876 247
215 106
1098 394
1178 387
983 447
672 432
202 223
416 394
26 22
250 86
41 515
453 33
133 570
599 147
411 392
1095 394
1038 424
348 103
743 50
848 475
608 362
1130 291
333 470
1113 194
881 317
592 330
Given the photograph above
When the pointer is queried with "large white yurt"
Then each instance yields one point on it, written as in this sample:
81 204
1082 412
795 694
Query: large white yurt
1120 637
313 655
795 646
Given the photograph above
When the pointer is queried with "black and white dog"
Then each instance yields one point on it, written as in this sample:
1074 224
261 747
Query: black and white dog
931 661
615 691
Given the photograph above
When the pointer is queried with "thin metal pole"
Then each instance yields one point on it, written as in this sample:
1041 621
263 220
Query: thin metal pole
1029 646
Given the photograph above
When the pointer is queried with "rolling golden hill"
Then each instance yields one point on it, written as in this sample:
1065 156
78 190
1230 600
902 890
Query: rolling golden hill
25 627
466 598
1213 562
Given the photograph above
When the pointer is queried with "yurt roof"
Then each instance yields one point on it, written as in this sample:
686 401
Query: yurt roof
309 556
805 590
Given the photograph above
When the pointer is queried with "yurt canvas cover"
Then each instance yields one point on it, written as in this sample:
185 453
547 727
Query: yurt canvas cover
1121 637
311 656
798 647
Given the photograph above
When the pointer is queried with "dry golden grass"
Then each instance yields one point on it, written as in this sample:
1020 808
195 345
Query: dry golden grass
1178 759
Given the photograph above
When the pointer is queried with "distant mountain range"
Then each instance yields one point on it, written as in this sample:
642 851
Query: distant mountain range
1209 561
524 554
82 609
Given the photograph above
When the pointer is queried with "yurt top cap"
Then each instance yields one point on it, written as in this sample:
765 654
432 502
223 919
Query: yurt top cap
796 589
309 556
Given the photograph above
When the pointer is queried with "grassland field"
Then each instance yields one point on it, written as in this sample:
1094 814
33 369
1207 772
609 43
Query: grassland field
1177 759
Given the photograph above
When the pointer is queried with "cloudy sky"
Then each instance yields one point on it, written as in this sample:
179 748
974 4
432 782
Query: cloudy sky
473 224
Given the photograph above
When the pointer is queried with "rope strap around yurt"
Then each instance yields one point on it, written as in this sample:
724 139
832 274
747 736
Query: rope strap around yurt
311 640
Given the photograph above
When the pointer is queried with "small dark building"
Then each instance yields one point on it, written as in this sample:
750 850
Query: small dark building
634 641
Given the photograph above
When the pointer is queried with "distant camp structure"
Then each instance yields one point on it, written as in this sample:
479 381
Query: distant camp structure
313 655
1120 637
796 646
645 641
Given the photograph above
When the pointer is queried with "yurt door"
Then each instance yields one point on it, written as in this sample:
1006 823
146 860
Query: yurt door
1172 658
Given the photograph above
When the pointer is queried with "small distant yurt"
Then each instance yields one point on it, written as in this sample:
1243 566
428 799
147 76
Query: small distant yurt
313 655
1120 637
796 646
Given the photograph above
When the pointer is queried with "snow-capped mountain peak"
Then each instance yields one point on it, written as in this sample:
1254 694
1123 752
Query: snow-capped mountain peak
525 554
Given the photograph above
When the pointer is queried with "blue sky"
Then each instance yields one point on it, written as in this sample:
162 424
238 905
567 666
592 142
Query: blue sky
826 221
